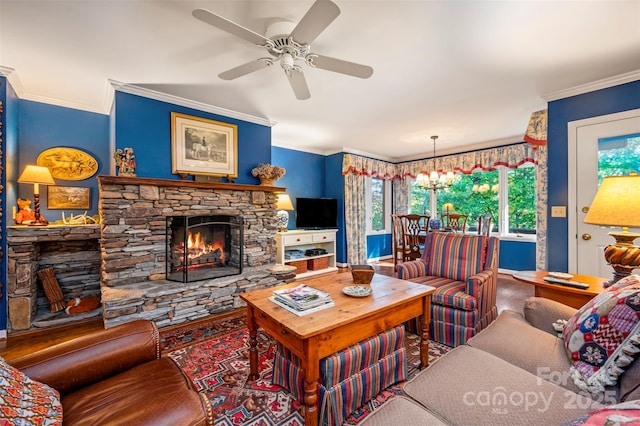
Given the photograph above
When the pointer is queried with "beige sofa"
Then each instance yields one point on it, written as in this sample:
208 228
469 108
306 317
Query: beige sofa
514 372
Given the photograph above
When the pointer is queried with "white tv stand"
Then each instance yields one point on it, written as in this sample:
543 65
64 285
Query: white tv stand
304 240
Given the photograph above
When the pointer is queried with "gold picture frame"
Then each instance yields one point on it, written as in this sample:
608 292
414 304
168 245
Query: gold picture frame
68 197
203 147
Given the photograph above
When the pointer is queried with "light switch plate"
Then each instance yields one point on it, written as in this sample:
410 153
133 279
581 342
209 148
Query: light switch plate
558 211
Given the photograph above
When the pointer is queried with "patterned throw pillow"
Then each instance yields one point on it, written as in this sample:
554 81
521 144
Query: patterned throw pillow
603 337
626 413
26 402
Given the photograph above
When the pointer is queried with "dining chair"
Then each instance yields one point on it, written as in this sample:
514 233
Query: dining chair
457 222
416 228
484 224
399 240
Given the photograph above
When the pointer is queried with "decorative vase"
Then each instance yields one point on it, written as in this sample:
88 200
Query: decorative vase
267 181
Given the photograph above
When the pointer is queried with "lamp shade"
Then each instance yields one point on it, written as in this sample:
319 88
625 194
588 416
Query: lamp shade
36 174
617 202
284 202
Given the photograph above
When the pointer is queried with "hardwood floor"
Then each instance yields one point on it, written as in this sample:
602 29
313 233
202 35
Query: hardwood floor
511 295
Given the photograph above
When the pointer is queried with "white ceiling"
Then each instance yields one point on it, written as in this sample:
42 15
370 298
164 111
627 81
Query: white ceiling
469 71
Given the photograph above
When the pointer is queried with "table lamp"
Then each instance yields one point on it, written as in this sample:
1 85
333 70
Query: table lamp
36 175
283 204
617 203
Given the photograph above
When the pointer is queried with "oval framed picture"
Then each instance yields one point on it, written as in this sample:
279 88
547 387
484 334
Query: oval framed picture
68 163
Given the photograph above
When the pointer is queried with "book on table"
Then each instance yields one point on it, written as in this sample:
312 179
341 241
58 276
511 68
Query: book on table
302 298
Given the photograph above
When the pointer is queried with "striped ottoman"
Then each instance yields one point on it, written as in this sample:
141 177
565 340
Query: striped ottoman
349 378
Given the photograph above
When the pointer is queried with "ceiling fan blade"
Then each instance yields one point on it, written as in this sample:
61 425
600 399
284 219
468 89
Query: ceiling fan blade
338 65
317 18
244 69
229 26
298 84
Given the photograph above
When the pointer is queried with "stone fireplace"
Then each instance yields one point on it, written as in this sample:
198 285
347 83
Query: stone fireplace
129 252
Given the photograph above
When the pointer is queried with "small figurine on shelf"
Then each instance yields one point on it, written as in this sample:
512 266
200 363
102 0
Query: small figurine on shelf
125 161
26 214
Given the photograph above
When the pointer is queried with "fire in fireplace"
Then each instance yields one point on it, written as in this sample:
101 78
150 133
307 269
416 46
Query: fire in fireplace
203 247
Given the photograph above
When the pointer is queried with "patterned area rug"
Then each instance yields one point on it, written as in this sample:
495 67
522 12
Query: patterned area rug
217 360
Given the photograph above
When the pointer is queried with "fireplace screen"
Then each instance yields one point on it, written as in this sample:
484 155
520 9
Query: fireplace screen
203 247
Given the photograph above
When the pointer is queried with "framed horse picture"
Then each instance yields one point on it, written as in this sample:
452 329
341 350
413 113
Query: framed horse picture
203 147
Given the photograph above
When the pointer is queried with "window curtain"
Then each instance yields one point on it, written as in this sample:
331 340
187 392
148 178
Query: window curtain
541 208
355 170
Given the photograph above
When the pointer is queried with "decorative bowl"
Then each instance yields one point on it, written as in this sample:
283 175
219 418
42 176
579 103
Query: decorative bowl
362 274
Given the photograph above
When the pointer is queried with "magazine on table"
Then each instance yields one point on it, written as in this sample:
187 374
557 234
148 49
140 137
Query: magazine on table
302 297
302 312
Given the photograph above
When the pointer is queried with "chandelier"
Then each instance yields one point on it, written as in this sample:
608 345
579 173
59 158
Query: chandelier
435 180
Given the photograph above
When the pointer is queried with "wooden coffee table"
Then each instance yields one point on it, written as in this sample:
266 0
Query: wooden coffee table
571 296
322 333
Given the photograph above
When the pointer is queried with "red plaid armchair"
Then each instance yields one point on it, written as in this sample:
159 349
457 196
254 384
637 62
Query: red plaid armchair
464 271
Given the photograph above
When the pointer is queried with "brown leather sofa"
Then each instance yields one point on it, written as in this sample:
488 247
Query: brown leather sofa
117 376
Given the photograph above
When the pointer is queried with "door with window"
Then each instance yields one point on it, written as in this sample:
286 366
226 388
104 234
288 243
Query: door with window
602 146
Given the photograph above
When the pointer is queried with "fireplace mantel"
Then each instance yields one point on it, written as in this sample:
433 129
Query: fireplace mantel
126 180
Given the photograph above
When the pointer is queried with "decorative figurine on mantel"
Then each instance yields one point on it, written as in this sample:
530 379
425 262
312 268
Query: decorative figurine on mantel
26 214
125 161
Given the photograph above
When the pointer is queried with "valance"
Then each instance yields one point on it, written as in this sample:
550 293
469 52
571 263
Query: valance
368 167
511 156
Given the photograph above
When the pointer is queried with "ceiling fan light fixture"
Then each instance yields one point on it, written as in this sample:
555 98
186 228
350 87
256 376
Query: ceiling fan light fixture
288 43
287 61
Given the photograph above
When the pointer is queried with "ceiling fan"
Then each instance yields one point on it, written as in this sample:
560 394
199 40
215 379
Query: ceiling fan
288 47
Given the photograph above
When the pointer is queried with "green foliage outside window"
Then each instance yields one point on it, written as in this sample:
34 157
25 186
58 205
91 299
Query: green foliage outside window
474 195
618 157
377 204
522 200
479 193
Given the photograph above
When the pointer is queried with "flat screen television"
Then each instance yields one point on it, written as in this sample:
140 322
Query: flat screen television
316 213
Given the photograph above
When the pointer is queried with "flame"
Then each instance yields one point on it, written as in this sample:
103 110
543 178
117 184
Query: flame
196 246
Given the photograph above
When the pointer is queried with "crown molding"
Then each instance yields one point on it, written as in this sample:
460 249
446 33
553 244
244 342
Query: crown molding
593 86
13 79
17 86
176 100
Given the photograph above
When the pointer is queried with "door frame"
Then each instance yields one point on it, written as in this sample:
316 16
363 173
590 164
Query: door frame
572 168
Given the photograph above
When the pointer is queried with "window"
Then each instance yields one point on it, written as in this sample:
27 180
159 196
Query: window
522 200
378 206
482 193
618 156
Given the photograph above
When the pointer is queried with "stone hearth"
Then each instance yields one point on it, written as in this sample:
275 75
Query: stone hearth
128 252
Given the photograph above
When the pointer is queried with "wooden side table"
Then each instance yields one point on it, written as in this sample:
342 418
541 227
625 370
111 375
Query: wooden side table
572 296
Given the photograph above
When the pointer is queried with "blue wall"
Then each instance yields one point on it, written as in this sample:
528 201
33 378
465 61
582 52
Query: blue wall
304 177
313 175
42 126
517 255
334 184
620 98
145 125
380 245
